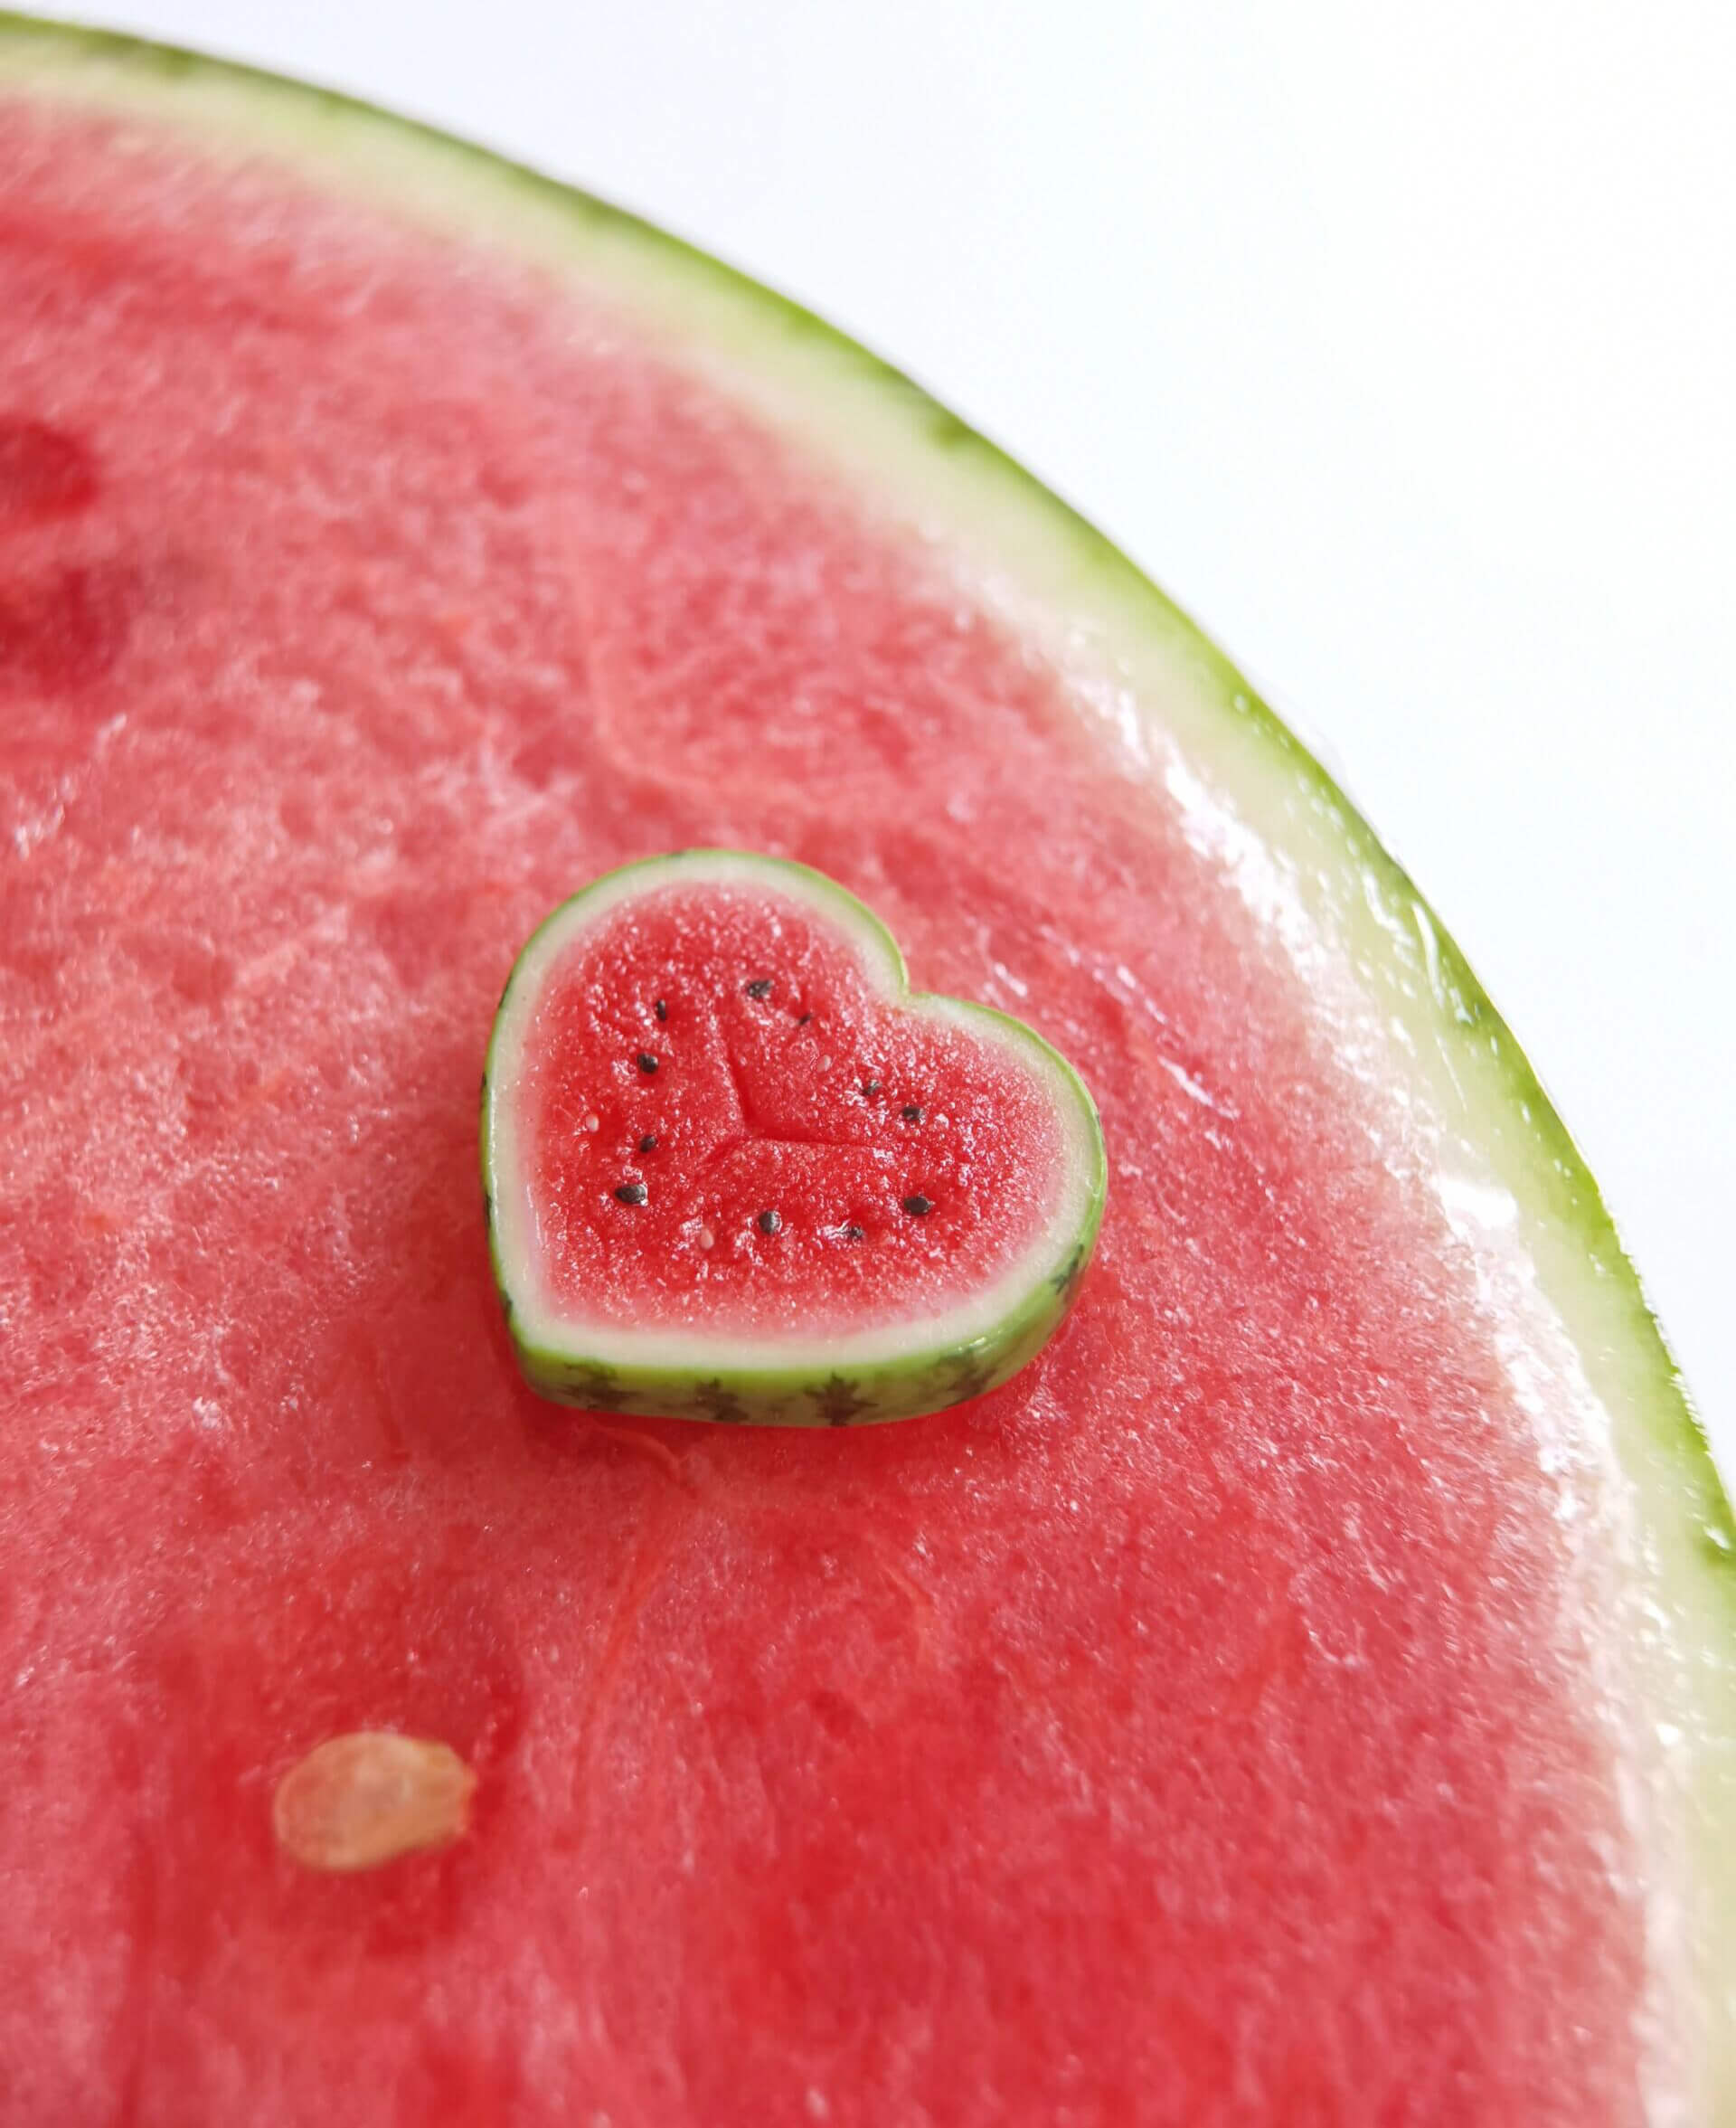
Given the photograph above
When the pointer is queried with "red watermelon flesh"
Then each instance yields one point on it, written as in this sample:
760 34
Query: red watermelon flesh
793 1099
1207 1727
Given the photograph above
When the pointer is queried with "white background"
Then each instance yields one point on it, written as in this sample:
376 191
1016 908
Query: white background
1398 344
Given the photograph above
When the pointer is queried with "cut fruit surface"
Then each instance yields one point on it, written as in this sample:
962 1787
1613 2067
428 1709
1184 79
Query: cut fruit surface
1302 1694
736 1171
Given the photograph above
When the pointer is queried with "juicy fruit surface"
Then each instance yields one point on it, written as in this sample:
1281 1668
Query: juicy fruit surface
725 1054
1198 1729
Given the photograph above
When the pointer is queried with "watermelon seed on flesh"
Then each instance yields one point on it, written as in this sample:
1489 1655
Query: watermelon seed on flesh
808 1338
370 1797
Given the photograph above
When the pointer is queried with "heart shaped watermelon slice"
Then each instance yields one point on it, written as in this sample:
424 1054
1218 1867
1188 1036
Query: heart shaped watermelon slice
736 1171
1304 1693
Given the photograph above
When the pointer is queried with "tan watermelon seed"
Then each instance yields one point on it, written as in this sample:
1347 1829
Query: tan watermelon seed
360 1800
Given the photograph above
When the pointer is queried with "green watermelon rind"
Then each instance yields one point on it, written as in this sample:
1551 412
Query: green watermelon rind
1063 581
931 1371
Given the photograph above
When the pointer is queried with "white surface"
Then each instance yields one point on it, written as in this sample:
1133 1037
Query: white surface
1398 344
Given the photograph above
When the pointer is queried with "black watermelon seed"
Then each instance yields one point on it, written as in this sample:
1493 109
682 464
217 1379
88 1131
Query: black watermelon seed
648 1143
853 1233
911 1112
631 1193
761 987
917 1206
872 1089
648 1062
661 1009
802 1018
768 1222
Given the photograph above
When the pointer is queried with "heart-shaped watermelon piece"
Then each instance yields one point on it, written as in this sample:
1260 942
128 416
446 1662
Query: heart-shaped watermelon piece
737 1170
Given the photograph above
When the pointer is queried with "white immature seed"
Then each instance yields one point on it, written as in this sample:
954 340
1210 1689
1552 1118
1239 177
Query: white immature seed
366 1797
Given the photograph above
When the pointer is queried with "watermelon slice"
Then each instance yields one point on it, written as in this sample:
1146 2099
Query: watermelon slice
1303 1694
736 1172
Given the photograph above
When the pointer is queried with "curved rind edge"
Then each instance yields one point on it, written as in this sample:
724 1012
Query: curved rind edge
1687 1530
932 1376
